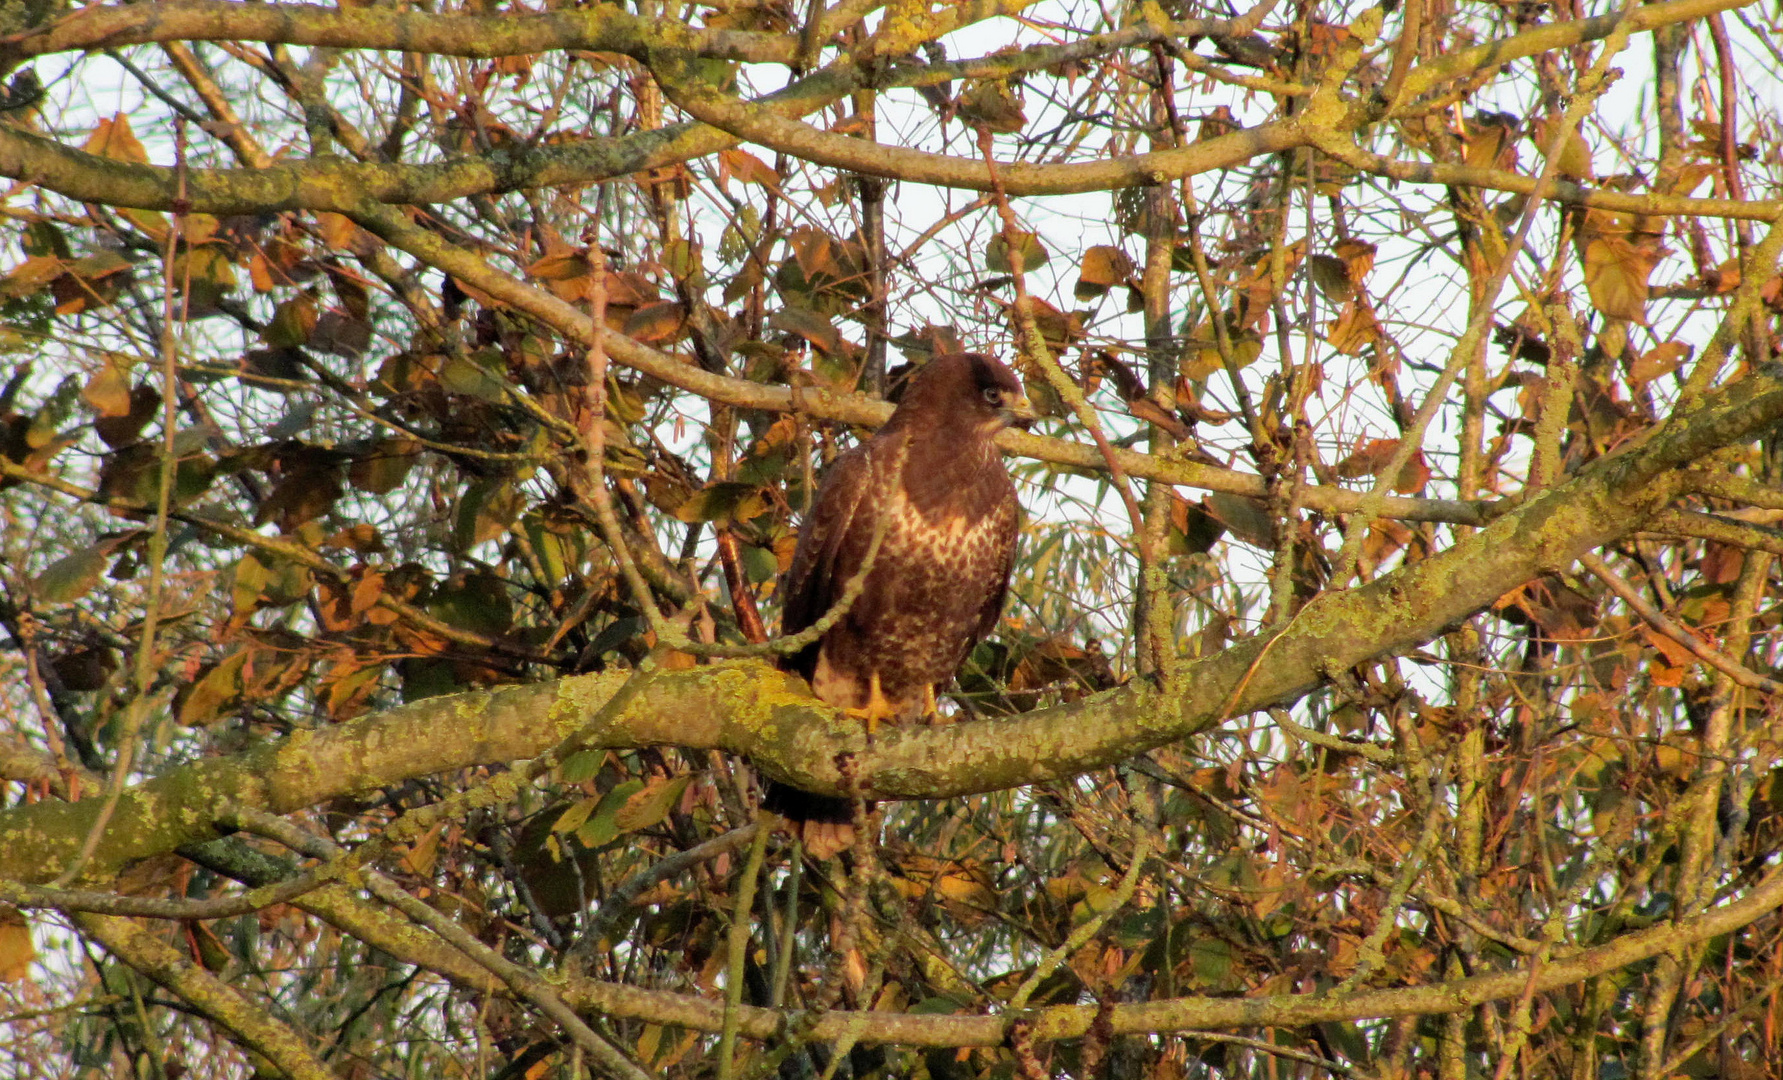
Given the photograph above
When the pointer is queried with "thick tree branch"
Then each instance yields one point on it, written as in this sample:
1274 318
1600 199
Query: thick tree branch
252 1026
749 709
337 186
574 324
1181 1014
365 920
603 28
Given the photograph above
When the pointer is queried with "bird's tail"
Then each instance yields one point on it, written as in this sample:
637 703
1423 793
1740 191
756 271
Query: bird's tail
823 823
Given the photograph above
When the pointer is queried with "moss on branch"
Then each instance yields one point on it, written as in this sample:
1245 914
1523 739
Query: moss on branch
750 709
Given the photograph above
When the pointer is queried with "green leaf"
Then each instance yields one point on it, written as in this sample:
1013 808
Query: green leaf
602 827
1030 253
73 575
652 804
581 765
723 501
461 375
574 817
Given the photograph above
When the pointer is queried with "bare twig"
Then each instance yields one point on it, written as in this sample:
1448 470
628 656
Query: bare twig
1657 619
739 951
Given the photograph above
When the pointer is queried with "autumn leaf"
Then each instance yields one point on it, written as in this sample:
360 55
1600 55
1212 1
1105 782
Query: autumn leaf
995 104
108 390
1616 272
1661 360
1029 253
16 950
1355 331
113 139
1103 267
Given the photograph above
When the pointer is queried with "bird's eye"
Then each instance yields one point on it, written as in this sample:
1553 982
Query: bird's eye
993 395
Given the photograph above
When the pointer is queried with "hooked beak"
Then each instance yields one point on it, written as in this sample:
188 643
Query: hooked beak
1019 413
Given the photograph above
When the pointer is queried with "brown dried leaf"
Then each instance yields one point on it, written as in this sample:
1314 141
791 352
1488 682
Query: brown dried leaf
1658 361
1355 330
748 168
1368 459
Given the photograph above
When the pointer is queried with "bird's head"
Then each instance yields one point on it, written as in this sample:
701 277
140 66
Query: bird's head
973 389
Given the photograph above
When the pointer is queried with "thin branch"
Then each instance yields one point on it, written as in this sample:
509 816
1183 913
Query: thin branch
1708 654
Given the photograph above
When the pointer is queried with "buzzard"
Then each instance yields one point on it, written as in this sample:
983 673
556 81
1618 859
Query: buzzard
931 489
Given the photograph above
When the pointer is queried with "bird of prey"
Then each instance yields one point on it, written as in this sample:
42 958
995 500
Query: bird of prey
929 491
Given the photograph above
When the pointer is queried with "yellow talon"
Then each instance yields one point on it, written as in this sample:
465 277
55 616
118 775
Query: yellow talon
876 709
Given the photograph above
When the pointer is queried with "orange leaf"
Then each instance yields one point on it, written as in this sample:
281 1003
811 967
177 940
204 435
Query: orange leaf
113 139
1658 361
1368 459
1355 330
1104 266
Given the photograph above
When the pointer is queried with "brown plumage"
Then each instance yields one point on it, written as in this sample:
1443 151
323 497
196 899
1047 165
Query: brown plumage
932 485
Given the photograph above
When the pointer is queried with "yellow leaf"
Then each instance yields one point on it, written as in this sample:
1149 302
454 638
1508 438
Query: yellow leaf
1104 266
1616 272
108 391
1574 152
113 139
419 859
